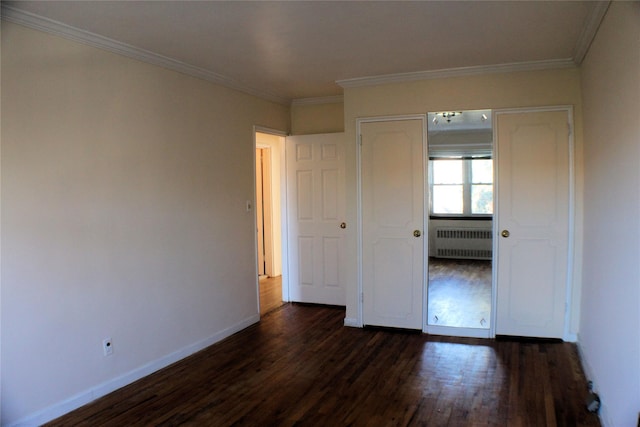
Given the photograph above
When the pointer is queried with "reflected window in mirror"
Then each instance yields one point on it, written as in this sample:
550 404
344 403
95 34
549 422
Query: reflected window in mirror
461 186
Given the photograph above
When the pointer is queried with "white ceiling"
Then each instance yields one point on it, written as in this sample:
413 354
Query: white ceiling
289 50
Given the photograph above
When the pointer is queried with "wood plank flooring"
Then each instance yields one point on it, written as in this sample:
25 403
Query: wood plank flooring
459 293
300 366
270 294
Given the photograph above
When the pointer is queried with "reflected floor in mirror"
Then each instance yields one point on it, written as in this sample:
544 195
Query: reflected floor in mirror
459 293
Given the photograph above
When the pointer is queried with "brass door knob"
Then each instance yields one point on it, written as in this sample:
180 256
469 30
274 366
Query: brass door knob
505 233
416 233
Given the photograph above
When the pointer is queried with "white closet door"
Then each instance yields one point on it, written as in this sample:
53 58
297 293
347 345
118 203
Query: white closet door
392 188
316 210
533 164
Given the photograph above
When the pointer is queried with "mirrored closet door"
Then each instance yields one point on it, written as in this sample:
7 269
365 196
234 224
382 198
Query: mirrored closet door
460 190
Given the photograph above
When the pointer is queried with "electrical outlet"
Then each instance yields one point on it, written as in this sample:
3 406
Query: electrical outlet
107 346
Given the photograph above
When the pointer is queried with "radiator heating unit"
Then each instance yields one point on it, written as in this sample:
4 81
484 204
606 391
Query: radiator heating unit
465 243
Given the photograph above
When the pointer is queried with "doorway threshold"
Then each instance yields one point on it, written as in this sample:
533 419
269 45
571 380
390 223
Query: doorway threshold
458 332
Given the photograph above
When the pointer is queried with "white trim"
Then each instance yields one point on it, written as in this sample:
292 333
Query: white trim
570 337
426 201
359 320
254 214
359 122
93 393
51 26
567 334
456 72
352 323
496 217
284 221
589 30
338 99
31 20
268 130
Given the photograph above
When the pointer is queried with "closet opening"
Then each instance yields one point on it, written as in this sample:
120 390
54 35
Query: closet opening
460 186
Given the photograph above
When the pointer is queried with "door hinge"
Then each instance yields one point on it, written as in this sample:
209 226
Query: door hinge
360 139
570 129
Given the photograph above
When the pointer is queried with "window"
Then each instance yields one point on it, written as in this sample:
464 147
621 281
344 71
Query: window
461 187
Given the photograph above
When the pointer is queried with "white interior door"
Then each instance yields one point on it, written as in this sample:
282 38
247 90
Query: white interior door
392 191
533 165
316 211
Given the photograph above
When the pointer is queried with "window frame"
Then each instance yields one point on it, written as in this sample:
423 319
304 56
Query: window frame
467 186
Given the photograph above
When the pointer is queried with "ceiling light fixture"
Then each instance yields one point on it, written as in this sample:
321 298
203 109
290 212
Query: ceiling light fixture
447 115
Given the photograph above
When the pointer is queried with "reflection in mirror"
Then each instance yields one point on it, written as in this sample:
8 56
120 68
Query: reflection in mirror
460 148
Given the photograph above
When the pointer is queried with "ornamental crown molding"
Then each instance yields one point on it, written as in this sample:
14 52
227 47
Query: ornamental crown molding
338 99
457 72
589 30
18 16
582 47
57 28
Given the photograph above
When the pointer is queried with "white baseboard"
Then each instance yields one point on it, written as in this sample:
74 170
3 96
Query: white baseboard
351 322
89 395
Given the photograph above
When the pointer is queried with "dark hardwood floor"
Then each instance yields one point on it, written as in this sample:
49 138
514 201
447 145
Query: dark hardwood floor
459 293
301 366
270 294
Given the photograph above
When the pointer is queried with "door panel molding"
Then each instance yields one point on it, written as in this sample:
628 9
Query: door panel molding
567 251
316 209
421 225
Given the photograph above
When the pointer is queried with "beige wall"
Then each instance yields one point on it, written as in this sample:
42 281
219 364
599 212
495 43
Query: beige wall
610 323
492 91
317 118
124 188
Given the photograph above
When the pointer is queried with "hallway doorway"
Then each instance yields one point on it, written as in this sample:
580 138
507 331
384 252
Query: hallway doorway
269 166
270 294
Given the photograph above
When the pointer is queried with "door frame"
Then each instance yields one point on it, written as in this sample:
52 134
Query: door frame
568 109
259 208
425 241
283 211
569 285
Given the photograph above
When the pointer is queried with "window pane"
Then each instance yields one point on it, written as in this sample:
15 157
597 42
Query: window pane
447 199
482 199
482 171
447 171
